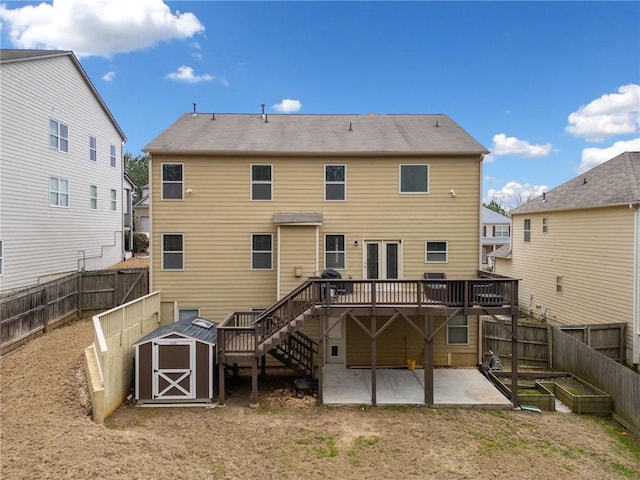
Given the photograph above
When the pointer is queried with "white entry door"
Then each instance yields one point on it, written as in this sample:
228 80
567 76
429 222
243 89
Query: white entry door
382 259
173 369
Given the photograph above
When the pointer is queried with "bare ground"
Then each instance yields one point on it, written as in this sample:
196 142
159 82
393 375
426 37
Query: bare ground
47 433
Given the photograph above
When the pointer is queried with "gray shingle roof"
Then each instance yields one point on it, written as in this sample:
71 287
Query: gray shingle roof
308 134
615 182
184 327
493 217
503 252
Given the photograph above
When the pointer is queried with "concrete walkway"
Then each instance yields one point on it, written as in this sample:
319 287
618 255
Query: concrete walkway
453 387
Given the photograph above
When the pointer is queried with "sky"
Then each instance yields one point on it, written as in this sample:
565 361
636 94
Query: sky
551 89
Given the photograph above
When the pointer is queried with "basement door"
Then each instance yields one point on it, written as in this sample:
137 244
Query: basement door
382 259
174 363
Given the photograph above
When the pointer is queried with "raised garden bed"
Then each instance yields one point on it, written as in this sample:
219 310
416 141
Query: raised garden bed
578 395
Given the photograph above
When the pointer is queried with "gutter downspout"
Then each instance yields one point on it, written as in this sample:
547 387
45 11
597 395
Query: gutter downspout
636 287
278 274
150 180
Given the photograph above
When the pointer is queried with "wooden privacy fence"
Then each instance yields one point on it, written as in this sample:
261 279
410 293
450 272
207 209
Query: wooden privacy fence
533 343
623 384
33 310
534 346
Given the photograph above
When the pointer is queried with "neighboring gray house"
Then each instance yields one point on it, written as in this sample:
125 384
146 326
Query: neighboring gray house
62 178
141 212
496 232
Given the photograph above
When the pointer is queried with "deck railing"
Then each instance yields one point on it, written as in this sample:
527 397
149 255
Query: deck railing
243 332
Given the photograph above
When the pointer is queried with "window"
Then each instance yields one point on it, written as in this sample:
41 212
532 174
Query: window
58 192
458 330
484 230
261 182
114 200
93 149
335 182
334 251
112 156
58 136
414 178
558 284
1 259
501 230
93 197
527 230
172 251
172 181
545 224
185 313
435 252
261 251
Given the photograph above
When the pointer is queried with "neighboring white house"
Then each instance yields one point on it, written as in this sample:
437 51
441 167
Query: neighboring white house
496 232
61 181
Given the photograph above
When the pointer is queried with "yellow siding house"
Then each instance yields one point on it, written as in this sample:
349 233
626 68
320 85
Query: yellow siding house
576 250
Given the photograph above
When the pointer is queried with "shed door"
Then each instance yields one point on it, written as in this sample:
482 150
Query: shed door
174 369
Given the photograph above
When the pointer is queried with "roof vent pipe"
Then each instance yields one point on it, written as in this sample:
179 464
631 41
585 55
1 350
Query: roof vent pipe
263 114
544 196
194 108
266 120
350 127
437 124
213 116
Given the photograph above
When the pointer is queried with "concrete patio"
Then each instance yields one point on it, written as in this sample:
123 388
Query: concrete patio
453 387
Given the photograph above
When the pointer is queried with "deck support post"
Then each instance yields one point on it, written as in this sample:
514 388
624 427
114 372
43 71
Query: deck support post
428 359
254 383
514 360
374 354
221 372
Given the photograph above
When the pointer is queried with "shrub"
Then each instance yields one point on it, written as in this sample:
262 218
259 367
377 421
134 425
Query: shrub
140 242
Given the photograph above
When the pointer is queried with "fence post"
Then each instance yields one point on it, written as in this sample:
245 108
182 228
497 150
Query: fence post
45 309
80 276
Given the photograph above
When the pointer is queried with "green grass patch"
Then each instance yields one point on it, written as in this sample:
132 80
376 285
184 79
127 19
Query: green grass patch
329 450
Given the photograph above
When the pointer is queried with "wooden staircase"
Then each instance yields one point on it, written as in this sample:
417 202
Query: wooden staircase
245 336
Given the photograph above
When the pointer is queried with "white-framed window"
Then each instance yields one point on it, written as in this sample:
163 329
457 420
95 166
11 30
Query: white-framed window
545 224
458 330
112 155
436 251
185 313
261 182
501 231
58 136
114 200
58 192
172 181
172 251
93 149
1 259
334 251
93 197
558 284
527 230
261 251
335 182
414 178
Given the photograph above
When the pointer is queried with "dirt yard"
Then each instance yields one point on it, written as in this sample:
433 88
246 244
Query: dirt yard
47 433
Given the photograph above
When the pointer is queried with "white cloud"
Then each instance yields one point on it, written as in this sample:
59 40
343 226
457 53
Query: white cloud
503 145
91 28
611 114
197 55
514 194
592 157
288 106
107 77
185 74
